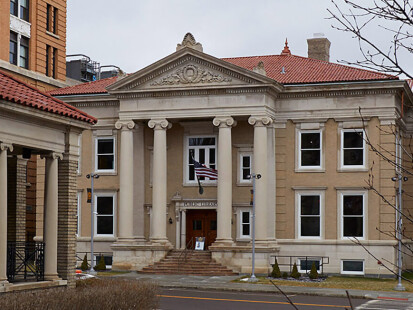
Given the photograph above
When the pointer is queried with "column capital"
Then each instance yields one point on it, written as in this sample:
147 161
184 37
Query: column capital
159 123
52 155
260 120
224 121
6 146
125 125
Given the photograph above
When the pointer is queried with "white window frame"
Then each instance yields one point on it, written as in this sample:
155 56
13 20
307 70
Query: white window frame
19 37
309 192
241 167
105 171
342 271
298 151
341 195
186 158
352 167
311 260
114 208
78 213
241 236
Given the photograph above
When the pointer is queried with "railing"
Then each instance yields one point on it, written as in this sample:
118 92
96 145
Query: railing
189 247
285 260
25 261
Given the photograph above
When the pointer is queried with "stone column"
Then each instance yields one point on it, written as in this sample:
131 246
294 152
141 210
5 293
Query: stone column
125 222
51 216
159 181
183 229
224 196
3 211
261 167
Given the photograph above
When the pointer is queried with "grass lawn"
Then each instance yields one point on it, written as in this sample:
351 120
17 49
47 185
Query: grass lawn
110 273
354 283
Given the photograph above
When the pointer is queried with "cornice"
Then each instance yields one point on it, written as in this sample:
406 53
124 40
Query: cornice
96 104
334 93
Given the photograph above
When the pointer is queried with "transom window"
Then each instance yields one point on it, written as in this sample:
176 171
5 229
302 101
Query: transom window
309 209
105 154
310 149
353 148
104 218
353 215
202 149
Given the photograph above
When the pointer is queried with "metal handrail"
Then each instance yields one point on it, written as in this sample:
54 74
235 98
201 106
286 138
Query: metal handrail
185 252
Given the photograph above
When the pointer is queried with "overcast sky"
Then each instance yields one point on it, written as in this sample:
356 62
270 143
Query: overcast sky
132 34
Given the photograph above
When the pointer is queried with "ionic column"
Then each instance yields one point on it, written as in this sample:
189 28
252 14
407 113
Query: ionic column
224 197
51 216
159 181
183 229
125 223
3 211
261 167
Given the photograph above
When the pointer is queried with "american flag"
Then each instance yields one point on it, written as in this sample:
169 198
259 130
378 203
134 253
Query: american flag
203 171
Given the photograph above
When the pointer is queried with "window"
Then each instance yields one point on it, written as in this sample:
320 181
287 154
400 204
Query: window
105 154
55 16
24 53
350 266
13 7
245 224
13 48
20 9
245 166
48 60
79 204
203 150
304 264
309 215
353 213
107 258
104 218
51 19
353 148
310 149
54 62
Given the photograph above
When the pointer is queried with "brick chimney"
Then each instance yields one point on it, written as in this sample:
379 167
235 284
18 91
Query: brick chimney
319 47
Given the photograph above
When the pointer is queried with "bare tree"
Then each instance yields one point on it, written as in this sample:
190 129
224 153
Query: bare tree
392 18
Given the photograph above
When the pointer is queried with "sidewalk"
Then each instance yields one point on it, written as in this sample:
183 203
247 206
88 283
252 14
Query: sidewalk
223 283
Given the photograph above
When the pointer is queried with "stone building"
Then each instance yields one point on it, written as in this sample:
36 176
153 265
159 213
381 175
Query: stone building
293 120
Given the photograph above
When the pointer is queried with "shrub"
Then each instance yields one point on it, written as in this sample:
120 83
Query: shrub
313 273
276 273
85 265
105 294
295 274
101 265
285 275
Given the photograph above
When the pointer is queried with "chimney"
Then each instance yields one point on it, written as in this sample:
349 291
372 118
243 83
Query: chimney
319 47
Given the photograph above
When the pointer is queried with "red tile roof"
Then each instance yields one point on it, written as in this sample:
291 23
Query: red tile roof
95 87
14 90
284 68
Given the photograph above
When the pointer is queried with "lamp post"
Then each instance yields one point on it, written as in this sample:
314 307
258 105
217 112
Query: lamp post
253 176
92 176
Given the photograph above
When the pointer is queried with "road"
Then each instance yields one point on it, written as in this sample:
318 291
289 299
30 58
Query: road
174 299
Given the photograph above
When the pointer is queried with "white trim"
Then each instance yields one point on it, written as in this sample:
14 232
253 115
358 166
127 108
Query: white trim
186 180
340 196
298 150
241 167
240 236
108 171
114 210
341 151
310 192
352 272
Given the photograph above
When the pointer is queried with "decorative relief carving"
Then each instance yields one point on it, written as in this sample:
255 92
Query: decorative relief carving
157 124
6 146
191 74
52 155
224 121
260 120
125 125
189 41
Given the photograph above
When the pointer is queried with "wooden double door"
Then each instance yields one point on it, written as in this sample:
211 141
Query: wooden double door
201 223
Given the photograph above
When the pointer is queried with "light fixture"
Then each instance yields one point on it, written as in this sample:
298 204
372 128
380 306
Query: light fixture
170 220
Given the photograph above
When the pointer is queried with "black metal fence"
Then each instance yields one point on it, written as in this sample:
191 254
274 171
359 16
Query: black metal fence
25 261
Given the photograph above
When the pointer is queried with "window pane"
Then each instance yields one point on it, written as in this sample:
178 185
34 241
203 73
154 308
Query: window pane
105 146
349 265
307 264
191 173
245 217
24 10
202 141
246 161
13 49
353 227
201 157
353 157
246 229
13 7
197 225
310 158
310 140
353 139
212 155
310 226
24 57
105 205
105 162
353 205
246 173
104 225
310 205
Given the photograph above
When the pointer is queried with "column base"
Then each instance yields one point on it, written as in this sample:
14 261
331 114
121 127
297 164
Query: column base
51 277
161 241
223 243
130 240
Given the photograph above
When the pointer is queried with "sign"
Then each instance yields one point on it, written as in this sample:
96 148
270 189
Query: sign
200 204
199 243
89 195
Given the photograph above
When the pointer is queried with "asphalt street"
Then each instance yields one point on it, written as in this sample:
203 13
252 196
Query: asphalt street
174 299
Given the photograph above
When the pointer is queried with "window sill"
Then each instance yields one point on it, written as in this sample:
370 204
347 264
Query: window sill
244 239
107 173
311 170
244 184
353 169
53 35
215 184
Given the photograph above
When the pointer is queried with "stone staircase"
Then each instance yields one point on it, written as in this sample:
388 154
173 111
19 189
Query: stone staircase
198 263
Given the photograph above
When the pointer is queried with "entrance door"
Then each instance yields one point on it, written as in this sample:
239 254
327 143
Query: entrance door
201 223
